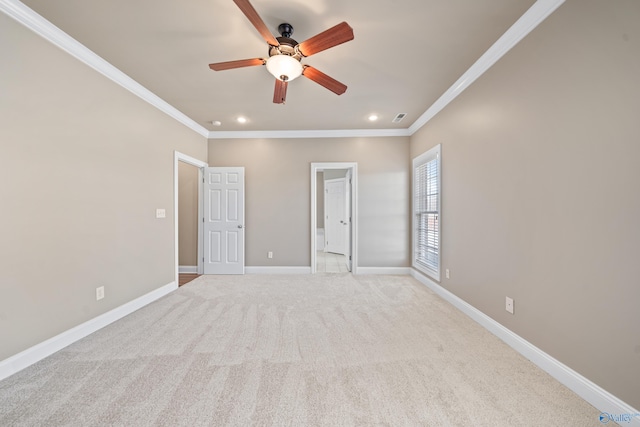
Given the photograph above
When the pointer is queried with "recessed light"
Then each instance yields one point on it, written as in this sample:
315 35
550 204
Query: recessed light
373 117
242 119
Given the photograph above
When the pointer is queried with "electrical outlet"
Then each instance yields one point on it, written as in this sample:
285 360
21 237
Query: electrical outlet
99 293
446 273
161 213
509 305
269 254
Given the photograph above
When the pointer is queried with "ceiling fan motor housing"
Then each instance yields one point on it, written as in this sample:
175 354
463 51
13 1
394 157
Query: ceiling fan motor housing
288 46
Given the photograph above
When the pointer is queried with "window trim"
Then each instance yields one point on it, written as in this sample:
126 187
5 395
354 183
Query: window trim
431 154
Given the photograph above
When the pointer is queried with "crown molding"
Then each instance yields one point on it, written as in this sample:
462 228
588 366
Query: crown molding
39 25
280 134
537 13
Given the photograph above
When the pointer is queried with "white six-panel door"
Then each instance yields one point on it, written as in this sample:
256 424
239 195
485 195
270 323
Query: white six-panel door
224 220
335 221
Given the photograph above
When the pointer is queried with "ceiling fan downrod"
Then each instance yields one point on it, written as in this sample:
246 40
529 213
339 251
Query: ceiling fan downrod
285 30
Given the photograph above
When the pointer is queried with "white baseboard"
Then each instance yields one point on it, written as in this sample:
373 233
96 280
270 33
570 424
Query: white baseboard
46 348
385 270
277 270
608 404
188 269
307 270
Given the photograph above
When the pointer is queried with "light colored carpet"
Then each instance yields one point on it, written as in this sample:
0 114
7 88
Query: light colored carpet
321 350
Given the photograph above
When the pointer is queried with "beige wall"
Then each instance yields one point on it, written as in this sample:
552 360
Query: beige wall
278 181
85 164
335 173
187 214
540 190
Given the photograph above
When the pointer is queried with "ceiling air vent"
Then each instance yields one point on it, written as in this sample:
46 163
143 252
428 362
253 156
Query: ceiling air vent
399 118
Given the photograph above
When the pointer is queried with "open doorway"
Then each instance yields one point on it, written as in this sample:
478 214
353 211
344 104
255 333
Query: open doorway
187 204
188 199
334 217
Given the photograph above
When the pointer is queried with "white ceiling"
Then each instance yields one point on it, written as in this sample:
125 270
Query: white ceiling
405 55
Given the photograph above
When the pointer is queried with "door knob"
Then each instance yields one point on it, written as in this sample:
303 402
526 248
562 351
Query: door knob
240 226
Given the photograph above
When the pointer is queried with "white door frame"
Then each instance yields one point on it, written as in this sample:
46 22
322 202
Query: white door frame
180 157
353 167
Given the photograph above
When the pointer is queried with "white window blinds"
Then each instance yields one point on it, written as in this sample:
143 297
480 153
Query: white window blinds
426 202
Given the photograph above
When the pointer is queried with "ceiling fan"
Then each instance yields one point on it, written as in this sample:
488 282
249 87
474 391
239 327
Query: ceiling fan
285 54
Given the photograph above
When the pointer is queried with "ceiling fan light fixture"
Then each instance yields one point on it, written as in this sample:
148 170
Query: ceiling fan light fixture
285 54
284 67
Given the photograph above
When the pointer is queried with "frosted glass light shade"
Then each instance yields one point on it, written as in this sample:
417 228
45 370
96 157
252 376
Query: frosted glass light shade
284 67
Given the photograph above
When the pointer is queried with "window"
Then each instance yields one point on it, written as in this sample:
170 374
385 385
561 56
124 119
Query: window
426 212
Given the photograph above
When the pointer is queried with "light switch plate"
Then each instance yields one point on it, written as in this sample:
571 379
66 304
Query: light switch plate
161 213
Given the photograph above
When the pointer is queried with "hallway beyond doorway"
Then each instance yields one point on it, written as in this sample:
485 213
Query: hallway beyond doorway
327 262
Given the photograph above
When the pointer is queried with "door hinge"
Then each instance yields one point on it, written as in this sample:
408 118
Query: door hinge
349 257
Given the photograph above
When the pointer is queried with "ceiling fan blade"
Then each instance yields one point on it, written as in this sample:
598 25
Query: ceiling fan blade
280 92
219 66
334 36
257 22
323 80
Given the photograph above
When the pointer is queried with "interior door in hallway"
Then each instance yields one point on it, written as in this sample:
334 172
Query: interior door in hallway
347 215
223 220
335 221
